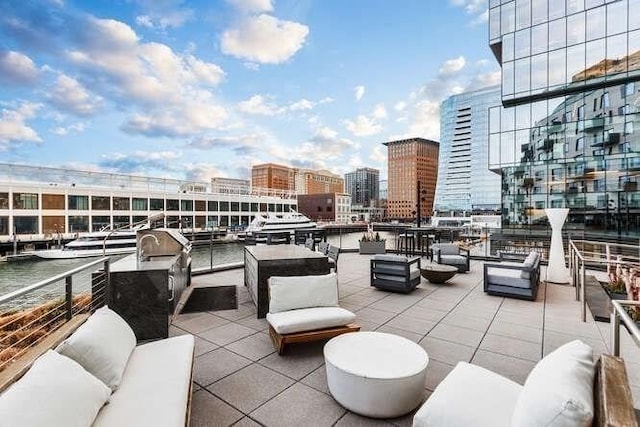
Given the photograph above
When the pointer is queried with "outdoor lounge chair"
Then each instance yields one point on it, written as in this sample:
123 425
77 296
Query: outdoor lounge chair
512 279
395 273
451 254
305 308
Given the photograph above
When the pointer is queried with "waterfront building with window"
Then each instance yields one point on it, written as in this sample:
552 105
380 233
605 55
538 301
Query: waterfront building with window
309 181
465 183
326 207
569 136
38 203
409 162
270 175
230 185
364 186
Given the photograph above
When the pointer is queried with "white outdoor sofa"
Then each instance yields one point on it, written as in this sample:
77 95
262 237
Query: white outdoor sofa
513 279
97 376
566 388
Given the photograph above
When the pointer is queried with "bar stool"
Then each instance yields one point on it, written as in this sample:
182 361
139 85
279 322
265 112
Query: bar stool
406 241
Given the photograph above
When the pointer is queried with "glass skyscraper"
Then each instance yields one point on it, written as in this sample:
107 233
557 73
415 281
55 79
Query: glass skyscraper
570 136
465 184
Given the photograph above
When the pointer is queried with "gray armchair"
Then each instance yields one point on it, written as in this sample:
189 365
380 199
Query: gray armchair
395 273
451 254
512 279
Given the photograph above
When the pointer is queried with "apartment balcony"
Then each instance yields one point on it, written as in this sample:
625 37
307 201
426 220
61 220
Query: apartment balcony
547 145
591 125
611 139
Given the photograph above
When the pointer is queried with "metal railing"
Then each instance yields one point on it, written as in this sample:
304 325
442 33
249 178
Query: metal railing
30 314
597 255
618 314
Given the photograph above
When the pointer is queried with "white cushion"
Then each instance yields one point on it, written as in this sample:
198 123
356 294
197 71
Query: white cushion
295 292
397 258
56 391
469 396
559 389
102 345
155 388
308 319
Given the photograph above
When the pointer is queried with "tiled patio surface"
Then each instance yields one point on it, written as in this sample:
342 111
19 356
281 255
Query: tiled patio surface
240 380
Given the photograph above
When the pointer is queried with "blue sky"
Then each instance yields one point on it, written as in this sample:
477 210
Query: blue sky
196 89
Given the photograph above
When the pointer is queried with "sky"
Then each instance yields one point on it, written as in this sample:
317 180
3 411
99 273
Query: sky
199 89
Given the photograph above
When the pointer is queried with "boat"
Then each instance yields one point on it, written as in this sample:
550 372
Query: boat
271 221
99 243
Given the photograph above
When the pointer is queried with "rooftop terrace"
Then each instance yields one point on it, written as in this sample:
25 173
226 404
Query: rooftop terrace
240 380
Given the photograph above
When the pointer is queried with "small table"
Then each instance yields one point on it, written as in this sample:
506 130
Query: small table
376 374
438 273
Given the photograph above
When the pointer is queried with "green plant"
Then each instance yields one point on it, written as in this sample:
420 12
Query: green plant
617 286
370 237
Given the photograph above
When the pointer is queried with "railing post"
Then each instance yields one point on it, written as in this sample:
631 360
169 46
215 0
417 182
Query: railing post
615 332
107 281
583 291
68 305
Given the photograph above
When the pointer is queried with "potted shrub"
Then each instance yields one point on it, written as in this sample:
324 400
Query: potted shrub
372 244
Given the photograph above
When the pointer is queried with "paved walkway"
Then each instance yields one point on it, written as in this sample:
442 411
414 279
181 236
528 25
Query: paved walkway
240 380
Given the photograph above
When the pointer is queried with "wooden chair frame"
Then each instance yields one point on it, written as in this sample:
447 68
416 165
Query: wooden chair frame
281 340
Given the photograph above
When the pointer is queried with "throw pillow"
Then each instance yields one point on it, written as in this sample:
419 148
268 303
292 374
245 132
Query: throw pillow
56 391
102 345
559 389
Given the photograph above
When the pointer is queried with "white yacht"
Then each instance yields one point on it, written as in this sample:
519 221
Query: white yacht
279 222
99 243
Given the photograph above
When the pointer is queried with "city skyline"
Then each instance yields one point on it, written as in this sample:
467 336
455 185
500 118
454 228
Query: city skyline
192 90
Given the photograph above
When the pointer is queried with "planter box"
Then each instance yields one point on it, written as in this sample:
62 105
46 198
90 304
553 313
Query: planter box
370 248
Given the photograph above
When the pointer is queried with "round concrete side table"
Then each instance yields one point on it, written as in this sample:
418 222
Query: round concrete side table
376 374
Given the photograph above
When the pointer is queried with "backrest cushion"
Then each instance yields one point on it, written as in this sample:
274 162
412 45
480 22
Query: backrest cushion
559 389
531 261
102 345
449 249
295 292
397 258
56 391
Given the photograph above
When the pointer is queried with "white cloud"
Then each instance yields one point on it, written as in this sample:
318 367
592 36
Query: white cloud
69 95
241 144
202 172
426 120
13 125
72 129
378 154
17 68
487 79
452 66
359 92
252 6
379 112
400 106
363 126
477 8
160 15
301 105
264 39
259 105
170 89
141 161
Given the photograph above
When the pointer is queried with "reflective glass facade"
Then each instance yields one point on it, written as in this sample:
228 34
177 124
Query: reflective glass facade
464 182
571 135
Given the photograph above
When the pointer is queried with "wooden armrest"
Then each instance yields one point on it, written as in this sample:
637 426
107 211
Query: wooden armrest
613 402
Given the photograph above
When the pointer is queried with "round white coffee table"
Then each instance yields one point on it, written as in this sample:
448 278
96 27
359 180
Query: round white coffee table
376 374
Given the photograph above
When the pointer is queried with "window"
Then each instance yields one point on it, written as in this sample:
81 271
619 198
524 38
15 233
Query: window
156 204
628 128
627 89
580 113
53 201
120 203
139 204
25 201
101 203
235 206
80 203
224 206
4 200
173 205
186 205
25 224
604 100
212 206
580 144
244 206
4 225
201 205
78 224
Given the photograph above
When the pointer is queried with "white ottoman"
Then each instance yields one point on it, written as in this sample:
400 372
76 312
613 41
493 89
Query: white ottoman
376 374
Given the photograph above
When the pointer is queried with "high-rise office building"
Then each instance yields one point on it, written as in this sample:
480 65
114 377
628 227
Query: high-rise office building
317 182
570 135
465 184
364 186
411 163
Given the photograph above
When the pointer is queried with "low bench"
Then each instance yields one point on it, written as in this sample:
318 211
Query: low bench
145 385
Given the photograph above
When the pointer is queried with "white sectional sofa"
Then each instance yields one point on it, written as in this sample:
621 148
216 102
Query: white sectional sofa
99 377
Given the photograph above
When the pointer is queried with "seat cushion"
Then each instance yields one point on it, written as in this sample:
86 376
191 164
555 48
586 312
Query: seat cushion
452 259
507 277
395 258
296 292
448 249
102 345
463 399
155 387
56 391
308 319
559 389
